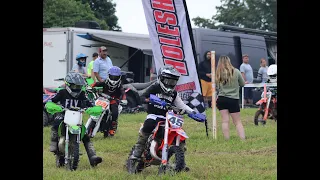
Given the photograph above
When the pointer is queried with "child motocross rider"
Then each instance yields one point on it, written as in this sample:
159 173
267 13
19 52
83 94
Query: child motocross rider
168 77
72 96
112 87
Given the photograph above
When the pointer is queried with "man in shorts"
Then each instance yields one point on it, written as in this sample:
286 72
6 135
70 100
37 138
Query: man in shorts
247 74
204 72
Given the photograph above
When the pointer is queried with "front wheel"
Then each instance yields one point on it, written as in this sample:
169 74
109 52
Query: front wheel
176 163
258 118
73 153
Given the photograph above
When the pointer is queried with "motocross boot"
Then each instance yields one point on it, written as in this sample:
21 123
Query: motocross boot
54 140
139 146
114 126
93 158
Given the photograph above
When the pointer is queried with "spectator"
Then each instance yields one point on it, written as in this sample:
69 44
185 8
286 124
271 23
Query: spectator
81 64
102 65
247 74
90 66
228 80
262 73
204 72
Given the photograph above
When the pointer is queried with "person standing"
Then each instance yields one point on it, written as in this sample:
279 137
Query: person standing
247 74
90 66
204 72
228 80
102 65
262 73
81 64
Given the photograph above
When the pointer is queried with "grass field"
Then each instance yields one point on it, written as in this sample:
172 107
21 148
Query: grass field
254 158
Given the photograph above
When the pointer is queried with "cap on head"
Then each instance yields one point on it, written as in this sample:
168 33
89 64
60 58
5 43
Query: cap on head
102 48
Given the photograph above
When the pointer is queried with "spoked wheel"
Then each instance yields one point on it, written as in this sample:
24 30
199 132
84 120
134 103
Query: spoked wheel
45 119
73 153
176 162
258 118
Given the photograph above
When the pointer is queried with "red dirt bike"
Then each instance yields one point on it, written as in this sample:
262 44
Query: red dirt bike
267 106
164 142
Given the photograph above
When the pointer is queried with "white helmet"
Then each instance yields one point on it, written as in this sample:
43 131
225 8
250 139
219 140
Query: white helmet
272 73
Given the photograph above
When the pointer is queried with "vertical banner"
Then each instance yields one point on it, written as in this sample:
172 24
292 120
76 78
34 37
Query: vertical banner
171 38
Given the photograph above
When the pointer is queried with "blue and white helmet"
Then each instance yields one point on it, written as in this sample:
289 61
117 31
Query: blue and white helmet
81 58
114 78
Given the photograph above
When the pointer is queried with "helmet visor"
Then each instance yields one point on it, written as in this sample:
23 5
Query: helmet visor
75 87
114 78
169 82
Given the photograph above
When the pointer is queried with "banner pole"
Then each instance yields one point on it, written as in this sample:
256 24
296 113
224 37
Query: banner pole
213 102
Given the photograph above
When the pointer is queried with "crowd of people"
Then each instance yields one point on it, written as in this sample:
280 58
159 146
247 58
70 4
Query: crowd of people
228 82
246 73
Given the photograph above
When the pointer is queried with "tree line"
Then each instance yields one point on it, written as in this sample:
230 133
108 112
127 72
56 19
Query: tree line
65 13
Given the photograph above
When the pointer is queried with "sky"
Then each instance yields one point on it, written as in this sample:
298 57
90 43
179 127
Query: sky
131 17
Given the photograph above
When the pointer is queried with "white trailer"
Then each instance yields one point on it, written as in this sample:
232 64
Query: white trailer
61 45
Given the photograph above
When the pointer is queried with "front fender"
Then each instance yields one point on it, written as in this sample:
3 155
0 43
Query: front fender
74 129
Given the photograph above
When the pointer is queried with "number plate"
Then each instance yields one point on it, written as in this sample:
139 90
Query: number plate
175 121
102 102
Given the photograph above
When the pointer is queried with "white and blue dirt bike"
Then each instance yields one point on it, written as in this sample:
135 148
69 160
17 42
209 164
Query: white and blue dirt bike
93 124
70 133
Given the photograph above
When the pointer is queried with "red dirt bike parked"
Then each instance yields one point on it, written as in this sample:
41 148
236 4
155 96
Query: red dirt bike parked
268 106
164 142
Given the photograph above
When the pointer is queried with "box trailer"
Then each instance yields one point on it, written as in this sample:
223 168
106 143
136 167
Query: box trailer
61 45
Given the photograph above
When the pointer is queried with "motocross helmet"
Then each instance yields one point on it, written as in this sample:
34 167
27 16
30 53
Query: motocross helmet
114 78
74 83
168 77
272 73
81 59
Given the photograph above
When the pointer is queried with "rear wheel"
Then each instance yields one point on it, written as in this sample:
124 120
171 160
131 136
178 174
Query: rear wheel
258 118
45 119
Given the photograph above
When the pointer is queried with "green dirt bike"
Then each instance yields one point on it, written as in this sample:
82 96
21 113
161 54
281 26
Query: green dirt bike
70 133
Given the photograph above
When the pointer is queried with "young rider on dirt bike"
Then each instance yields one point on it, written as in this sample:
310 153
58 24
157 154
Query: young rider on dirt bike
72 96
168 77
113 87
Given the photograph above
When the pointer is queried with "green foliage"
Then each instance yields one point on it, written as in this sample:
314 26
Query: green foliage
104 10
65 13
253 14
